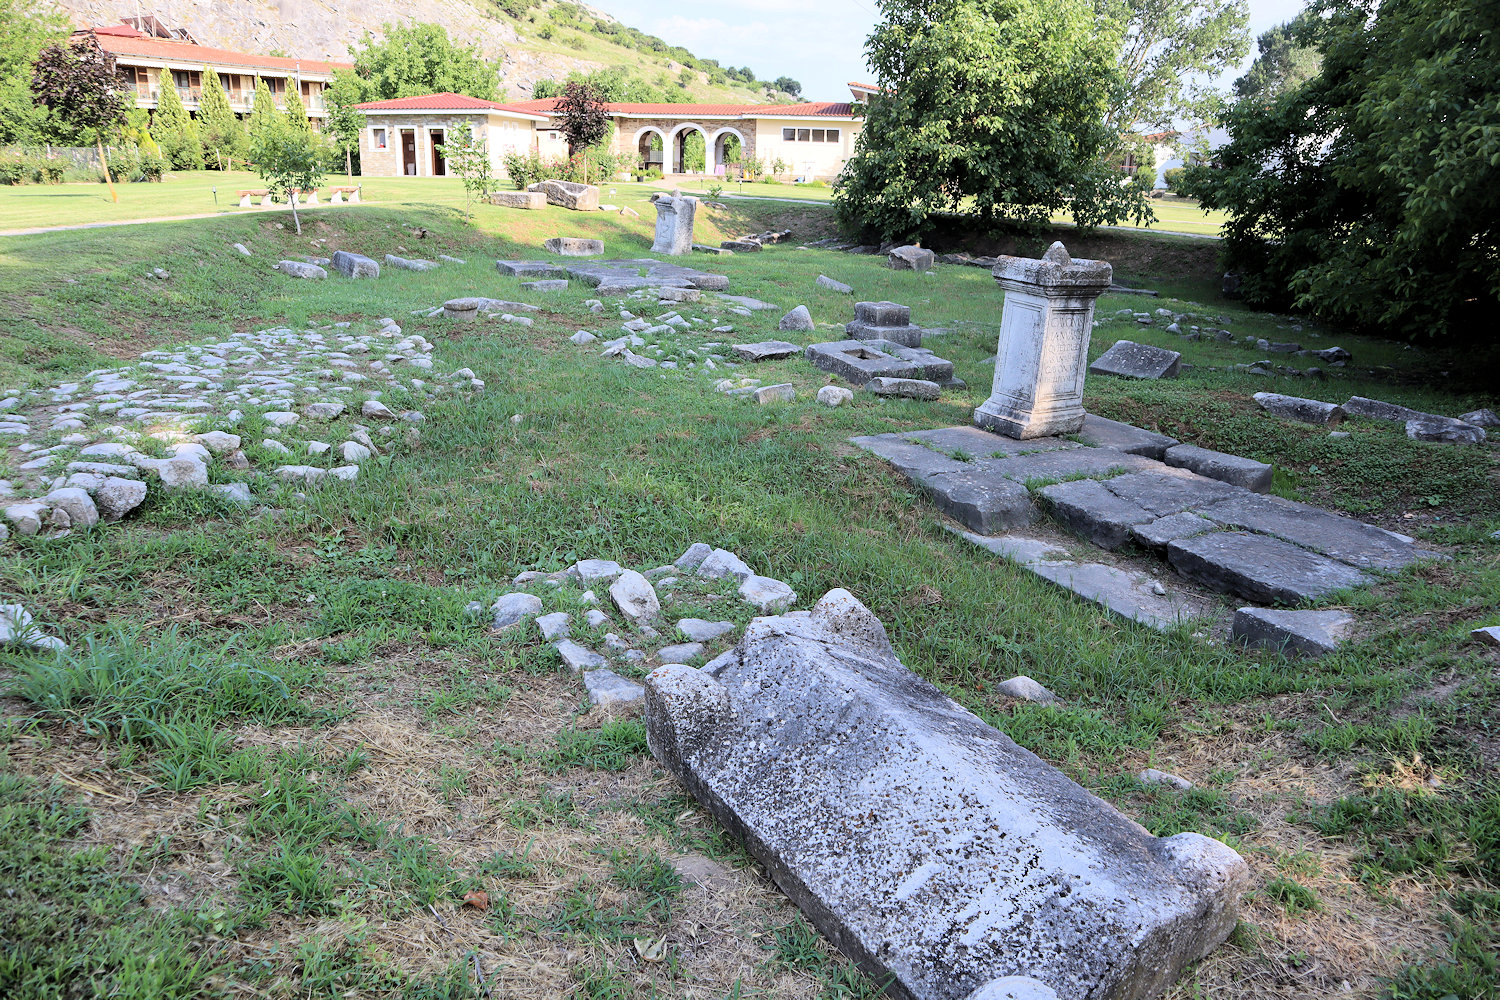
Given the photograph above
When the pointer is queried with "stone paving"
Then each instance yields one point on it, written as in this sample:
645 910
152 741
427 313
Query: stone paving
306 406
1119 488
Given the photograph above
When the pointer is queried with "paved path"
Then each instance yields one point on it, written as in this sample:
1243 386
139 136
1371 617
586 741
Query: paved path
165 218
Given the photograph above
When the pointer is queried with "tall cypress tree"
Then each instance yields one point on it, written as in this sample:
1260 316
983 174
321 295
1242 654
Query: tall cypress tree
296 112
264 117
175 133
222 134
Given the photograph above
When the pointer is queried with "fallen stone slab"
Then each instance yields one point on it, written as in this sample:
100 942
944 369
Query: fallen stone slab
1092 512
574 246
1444 432
1064 462
858 361
746 302
579 658
1170 491
824 281
1308 411
608 689
766 350
354 265
1101 432
1232 469
545 285
909 388
1128 359
1260 568
911 258
411 263
1294 632
532 200
911 460
462 310
1485 418
927 845
1342 538
1489 634
569 194
975 442
530 269
779 393
980 500
1137 596
741 246
301 269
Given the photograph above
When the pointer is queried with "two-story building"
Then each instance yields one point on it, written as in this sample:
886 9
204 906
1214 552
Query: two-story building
152 63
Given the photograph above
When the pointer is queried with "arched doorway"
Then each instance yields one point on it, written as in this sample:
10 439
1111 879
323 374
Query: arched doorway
729 150
689 149
650 147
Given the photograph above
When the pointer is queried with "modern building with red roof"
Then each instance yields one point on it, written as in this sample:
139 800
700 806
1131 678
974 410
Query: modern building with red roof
150 63
811 140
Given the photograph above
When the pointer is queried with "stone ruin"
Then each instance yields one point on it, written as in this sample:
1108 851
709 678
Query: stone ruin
929 847
674 224
615 277
568 194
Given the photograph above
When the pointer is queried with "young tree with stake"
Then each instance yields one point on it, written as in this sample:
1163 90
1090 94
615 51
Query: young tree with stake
288 161
78 84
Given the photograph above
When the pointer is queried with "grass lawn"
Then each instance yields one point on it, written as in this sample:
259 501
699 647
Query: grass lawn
279 754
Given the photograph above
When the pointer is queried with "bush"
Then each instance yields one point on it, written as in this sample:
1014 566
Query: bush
1173 177
31 167
523 169
817 184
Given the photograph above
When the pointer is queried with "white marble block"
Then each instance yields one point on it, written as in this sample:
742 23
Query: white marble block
1044 344
674 224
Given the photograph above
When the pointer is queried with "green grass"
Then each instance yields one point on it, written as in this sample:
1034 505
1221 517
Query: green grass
352 748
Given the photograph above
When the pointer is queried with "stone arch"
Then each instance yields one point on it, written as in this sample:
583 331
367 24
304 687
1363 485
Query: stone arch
642 146
679 138
716 145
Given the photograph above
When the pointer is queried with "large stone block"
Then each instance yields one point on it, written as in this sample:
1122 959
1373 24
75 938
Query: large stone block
884 321
1293 632
1128 359
1090 511
355 265
911 259
1341 538
1260 568
674 224
570 195
532 200
859 361
929 847
574 246
1227 468
981 501
1105 433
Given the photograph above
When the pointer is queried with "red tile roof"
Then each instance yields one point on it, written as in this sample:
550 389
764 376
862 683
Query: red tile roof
811 109
446 101
146 47
863 86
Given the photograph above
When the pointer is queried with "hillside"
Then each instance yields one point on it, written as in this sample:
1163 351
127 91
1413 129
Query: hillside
543 40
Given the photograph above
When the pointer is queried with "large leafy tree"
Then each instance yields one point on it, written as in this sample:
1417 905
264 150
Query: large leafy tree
1166 46
26 28
1282 65
175 131
80 88
414 59
583 119
995 107
219 128
1370 195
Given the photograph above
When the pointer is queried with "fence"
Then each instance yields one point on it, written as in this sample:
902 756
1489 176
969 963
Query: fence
77 157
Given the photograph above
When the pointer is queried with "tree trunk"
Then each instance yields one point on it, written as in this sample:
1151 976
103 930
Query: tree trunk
104 162
296 220
348 162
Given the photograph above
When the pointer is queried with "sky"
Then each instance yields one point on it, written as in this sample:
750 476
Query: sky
819 43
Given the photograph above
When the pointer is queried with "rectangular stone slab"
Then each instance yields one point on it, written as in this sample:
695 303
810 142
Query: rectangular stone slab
928 846
911 460
1090 511
1260 568
981 501
979 443
1170 491
1343 538
1127 359
1101 432
1233 469
1071 462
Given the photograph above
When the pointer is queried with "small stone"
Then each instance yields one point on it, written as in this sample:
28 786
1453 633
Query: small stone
767 595
798 319
238 493
1151 776
693 557
218 442
781 393
635 597
323 411
607 688
271 444
1026 689
596 618
700 630
513 609
577 658
376 410
79 505
592 571
554 626
834 396
910 388
583 338
1490 635
680 653
824 281
352 451
721 563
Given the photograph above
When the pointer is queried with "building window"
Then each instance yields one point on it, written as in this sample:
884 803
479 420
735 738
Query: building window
377 138
817 135
804 135
788 135
833 135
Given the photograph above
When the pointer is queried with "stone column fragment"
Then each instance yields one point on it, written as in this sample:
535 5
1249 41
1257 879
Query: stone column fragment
1044 344
674 224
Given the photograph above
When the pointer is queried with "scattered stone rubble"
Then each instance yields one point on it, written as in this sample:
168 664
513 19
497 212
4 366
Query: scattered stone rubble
305 406
18 628
614 639
930 847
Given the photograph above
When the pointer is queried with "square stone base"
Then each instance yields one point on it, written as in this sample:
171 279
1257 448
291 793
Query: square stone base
1023 424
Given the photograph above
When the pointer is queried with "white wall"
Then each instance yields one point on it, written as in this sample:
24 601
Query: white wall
807 159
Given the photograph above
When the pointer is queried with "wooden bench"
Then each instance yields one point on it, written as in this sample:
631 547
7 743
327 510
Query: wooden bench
264 196
337 195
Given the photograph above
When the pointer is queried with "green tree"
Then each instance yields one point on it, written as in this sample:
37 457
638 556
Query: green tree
1370 195
175 132
28 28
79 86
469 157
264 115
345 122
787 85
1165 45
583 119
1281 65
417 59
296 112
994 106
287 159
219 127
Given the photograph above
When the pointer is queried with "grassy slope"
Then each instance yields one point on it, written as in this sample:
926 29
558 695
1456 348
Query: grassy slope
1360 788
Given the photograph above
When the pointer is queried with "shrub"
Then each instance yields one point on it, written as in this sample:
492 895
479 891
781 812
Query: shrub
1173 177
31 167
523 169
13 168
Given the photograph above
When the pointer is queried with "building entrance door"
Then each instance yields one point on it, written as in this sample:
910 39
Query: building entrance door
409 152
